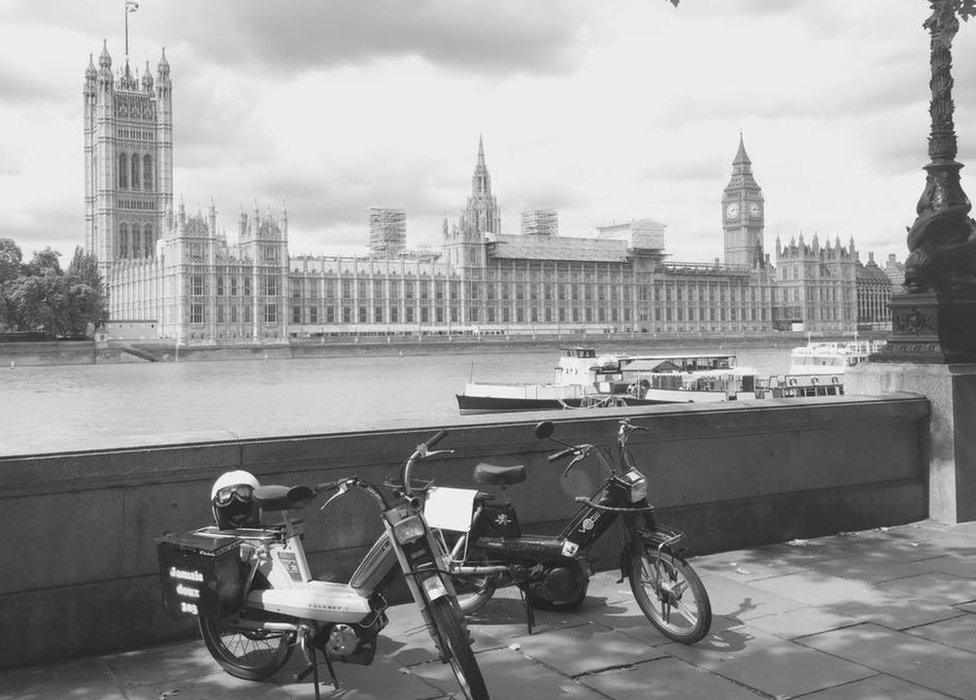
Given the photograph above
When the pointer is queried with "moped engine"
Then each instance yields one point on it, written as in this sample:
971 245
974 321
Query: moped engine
559 587
351 643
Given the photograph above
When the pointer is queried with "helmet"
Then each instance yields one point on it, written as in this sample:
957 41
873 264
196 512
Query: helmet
232 500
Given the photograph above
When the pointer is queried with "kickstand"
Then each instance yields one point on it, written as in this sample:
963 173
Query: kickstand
529 612
308 647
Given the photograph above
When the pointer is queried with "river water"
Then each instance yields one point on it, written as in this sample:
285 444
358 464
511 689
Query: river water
71 407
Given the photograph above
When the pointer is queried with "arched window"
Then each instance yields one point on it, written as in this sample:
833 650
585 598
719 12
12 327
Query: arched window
123 170
123 241
149 242
147 173
135 171
136 250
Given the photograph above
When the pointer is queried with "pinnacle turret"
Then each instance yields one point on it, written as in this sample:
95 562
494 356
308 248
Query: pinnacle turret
147 79
104 60
90 72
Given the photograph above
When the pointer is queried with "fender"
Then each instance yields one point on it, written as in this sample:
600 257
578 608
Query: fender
669 541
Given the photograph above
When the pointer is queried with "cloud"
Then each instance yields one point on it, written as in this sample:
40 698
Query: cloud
500 37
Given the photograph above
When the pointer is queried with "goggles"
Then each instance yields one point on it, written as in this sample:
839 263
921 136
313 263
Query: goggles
229 494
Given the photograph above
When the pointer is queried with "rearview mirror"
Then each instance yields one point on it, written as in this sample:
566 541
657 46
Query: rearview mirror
544 430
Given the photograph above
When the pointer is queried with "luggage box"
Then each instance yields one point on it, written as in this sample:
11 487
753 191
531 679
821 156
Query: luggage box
200 573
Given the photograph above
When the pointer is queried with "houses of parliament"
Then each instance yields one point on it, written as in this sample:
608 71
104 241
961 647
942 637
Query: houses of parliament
179 271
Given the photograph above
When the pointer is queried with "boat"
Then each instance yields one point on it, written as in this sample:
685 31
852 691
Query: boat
692 378
582 380
817 369
830 359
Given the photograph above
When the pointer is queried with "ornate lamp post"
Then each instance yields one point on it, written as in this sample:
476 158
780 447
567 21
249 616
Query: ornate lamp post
934 321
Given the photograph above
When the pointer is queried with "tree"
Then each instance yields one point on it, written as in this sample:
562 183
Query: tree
84 269
10 260
44 262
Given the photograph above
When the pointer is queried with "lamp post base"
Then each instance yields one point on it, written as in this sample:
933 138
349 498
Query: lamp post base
932 328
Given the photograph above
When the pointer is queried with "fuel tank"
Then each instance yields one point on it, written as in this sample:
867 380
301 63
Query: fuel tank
316 600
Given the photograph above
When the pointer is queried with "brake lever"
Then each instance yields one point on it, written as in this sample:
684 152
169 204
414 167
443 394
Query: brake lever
343 487
572 463
439 452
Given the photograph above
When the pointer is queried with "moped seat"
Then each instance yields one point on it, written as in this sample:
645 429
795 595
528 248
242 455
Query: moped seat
495 475
274 498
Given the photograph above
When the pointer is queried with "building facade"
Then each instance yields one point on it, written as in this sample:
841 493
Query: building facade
874 289
201 288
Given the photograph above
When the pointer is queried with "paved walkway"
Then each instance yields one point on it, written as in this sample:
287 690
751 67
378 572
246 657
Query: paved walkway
887 613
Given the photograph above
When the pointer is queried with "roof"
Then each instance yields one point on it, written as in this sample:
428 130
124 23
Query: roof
870 274
558 248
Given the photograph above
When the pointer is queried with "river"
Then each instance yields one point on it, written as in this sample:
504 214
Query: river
71 407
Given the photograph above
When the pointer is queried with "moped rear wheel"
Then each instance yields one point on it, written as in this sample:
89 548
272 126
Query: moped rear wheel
670 595
455 638
249 654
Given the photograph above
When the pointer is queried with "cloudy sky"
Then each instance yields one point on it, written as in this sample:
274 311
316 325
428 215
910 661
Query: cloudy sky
607 110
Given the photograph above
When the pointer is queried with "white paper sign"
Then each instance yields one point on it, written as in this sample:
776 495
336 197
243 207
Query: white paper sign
449 509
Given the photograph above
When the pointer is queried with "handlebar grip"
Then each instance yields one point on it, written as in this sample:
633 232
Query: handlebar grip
562 454
438 436
581 499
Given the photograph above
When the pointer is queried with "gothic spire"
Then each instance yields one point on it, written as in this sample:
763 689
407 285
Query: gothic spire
741 158
481 150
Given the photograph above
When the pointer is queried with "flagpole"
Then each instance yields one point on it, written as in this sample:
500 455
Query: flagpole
125 11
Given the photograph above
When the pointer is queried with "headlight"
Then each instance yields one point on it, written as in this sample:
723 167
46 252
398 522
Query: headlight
638 486
409 530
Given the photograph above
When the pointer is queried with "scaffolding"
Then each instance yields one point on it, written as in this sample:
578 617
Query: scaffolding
540 222
387 230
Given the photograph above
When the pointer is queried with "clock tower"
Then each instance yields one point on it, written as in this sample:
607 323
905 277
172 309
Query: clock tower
742 214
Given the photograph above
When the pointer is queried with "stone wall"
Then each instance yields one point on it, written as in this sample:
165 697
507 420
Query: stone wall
80 563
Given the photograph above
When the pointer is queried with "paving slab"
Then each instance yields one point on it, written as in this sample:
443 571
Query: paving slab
168 662
880 687
664 678
919 661
373 682
586 648
959 632
802 622
770 664
213 686
742 600
511 675
86 678
935 586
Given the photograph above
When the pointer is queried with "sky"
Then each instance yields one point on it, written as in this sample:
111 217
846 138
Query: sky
607 111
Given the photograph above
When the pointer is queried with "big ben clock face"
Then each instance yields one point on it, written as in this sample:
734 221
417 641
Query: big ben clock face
732 210
753 208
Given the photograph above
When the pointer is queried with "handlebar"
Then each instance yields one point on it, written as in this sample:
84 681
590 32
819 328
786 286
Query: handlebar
327 485
437 437
562 454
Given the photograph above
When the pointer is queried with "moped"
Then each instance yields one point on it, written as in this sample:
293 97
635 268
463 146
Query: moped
487 549
256 599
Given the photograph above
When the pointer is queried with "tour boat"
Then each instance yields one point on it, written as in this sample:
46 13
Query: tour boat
584 379
693 378
581 380
830 359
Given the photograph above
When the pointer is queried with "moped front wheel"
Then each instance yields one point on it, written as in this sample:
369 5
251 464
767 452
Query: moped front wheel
670 595
455 638
245 653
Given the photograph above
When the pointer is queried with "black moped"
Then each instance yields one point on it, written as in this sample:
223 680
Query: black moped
552 572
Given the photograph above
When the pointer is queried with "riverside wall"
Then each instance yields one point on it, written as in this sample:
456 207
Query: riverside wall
116 351
80 574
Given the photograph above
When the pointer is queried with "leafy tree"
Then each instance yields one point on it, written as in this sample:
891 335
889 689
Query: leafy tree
38 296
84 269
10 260
44 262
